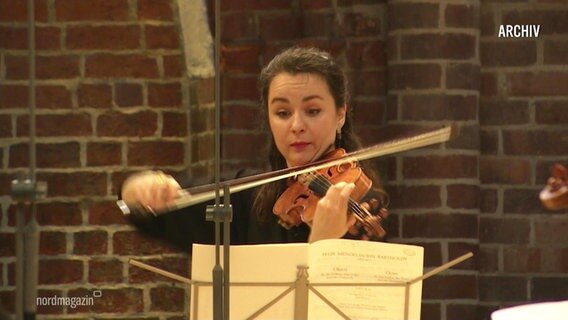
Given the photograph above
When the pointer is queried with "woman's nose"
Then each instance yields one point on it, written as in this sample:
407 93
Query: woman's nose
298 124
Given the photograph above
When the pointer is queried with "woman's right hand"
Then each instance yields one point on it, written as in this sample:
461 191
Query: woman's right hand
152 190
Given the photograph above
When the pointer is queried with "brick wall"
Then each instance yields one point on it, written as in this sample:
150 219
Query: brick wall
111 91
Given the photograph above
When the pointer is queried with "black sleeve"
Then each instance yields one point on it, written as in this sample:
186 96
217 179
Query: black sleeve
181 228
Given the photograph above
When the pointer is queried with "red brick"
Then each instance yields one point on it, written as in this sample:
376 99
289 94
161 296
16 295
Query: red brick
174 124
522 201
161 37
75 184
504 171
104 270
315 4
239 88
135 243
508 53
58 125
466 138
488 84
90 242
105 213
167 299
463 76
369 83
5 126
126 66
104 154
556 19
463 196
53 155
440 226
139 124
177 265
128 94
155 10
549 288
14 38
60 271
13 96
488 201
551 231
58 213
164 94
359 24
57 67
457 249
440 167
502 288
155 153
489 142
238 26
449 287
247 5
94 96
529 84
425 197
280 27
16 67
438 46
555 52
91 10
503 112
238 145
521 259
203 120
462 16
414 76
53 97
551 112
439 107
174 66
242 59
504 231
111 300
535 142
413 15
50 309
8 248
488 259
52 243
113 37
487 22
368 54
48 38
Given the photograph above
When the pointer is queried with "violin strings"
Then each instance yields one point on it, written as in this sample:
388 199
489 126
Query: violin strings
324 184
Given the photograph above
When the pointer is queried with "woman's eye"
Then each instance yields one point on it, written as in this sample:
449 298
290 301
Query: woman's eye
313 111
282 113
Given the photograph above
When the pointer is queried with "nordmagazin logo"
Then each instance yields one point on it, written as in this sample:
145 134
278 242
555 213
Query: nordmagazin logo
71 302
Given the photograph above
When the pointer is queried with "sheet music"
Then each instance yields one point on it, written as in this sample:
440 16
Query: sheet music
365 262
329 261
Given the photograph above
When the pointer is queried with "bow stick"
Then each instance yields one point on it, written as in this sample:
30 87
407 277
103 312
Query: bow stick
195 195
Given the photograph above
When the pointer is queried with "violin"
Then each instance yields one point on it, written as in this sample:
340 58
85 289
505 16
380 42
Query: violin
298 202
555 195
334 168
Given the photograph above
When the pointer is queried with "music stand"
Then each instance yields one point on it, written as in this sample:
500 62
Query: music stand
301 287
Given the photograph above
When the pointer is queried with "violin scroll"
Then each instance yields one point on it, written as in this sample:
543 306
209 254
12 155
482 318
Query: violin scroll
555 195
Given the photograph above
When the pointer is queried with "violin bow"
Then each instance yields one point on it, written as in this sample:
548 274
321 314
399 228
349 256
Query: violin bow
187 198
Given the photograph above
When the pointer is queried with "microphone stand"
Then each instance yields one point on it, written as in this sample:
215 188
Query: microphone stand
220 213
26 190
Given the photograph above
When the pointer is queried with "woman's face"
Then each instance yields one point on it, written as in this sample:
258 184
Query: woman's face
303 117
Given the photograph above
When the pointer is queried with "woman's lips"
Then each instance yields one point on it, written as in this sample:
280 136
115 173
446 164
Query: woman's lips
299 146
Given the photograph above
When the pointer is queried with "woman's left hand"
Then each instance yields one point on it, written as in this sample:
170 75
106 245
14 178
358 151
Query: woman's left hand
331 219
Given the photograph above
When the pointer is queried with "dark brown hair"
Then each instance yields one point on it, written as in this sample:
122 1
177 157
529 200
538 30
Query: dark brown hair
298 60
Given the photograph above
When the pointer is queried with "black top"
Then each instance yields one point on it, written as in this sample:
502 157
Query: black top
186 226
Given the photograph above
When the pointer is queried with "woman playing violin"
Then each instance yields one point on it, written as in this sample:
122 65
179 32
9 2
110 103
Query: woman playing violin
304 96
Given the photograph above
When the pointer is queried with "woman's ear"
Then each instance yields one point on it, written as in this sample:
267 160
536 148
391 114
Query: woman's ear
341 115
